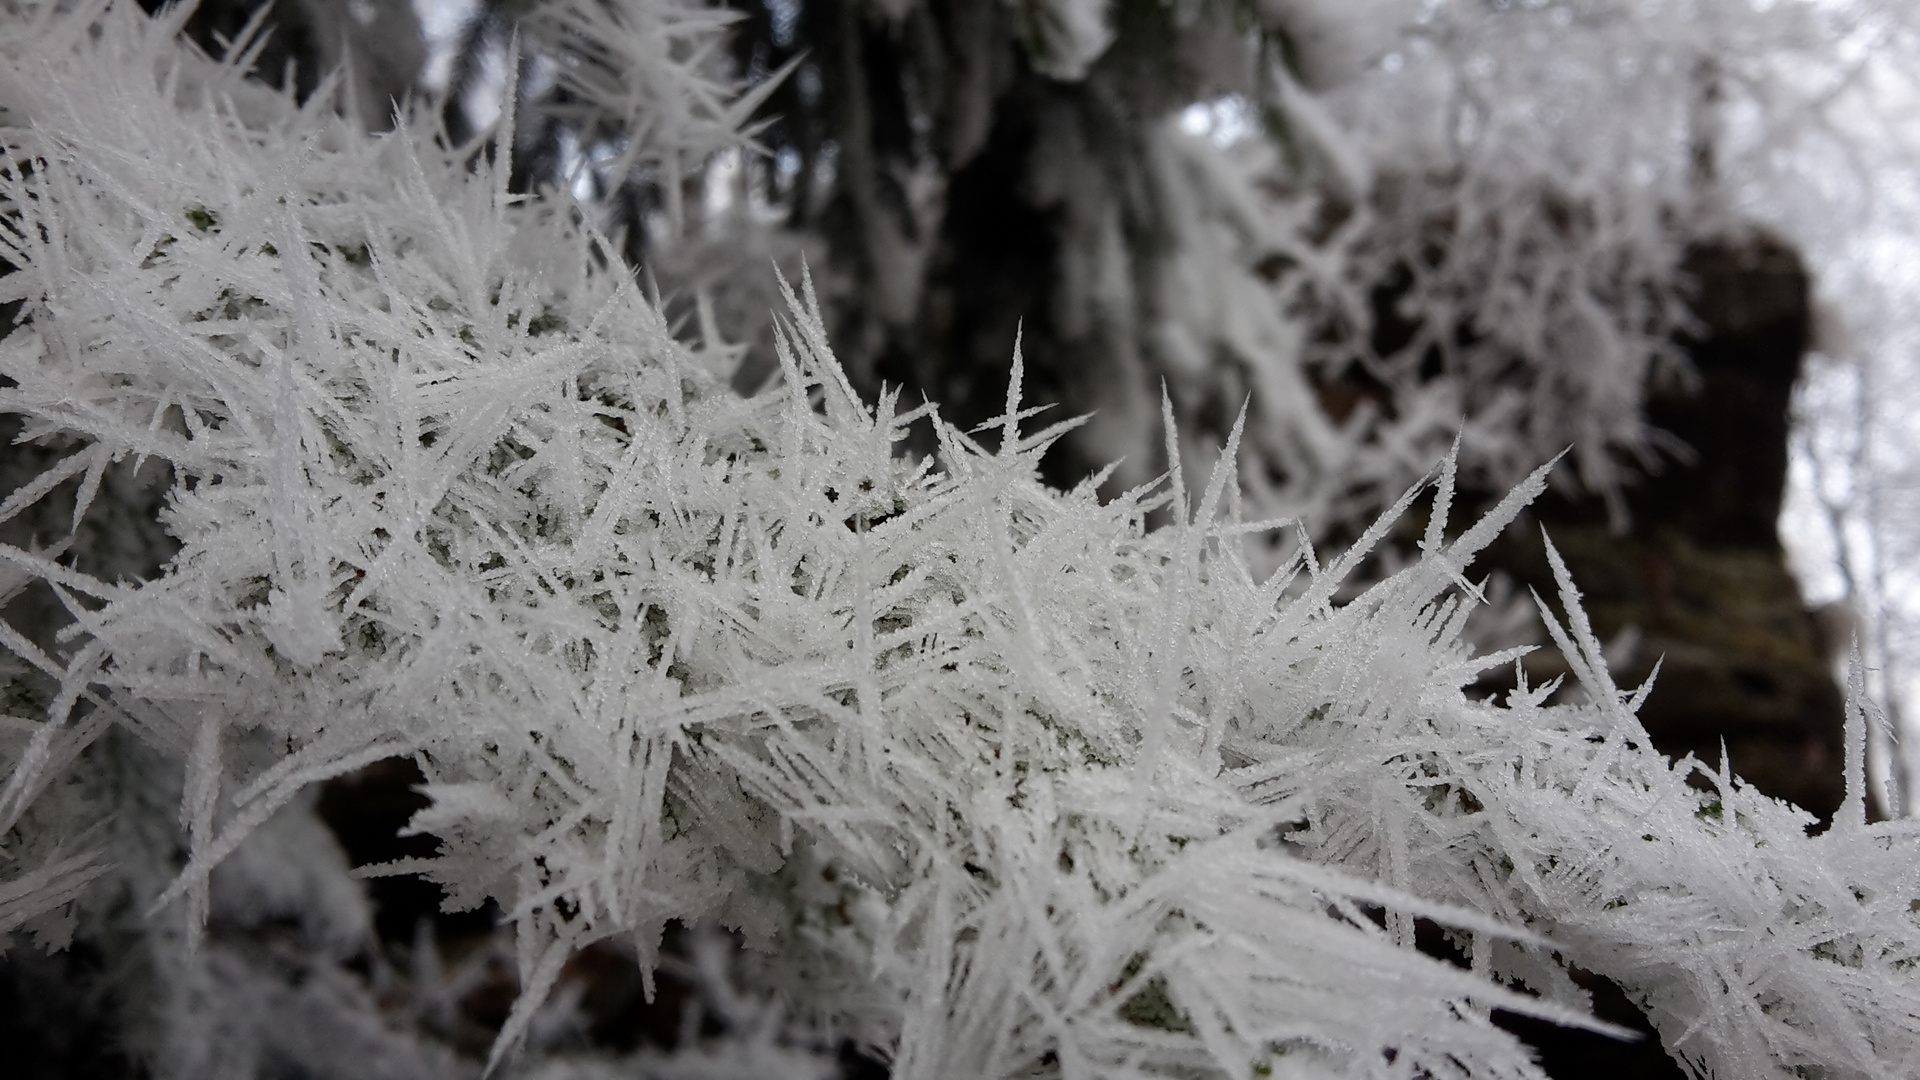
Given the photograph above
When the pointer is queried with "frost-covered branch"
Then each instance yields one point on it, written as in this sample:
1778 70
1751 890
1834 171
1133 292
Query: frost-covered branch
1001 779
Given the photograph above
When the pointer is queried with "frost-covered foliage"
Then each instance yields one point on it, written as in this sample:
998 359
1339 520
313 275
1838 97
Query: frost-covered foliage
997 780
1433 216
1477 213
1063 37
1542 168
643 77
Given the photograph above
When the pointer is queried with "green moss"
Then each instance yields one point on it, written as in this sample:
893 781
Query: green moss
1152 1006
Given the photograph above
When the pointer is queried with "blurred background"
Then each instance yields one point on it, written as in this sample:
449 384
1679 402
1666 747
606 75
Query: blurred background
1674 239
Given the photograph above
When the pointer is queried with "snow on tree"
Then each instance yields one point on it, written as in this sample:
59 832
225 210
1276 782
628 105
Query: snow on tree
994 778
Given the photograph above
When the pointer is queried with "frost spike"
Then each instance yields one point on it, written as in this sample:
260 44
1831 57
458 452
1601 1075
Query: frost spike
1852 814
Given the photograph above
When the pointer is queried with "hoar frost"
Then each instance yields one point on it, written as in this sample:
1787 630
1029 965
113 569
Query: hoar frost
1002 781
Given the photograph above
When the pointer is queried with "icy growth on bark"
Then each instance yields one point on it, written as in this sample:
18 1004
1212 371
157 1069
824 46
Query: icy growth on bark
1001 781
